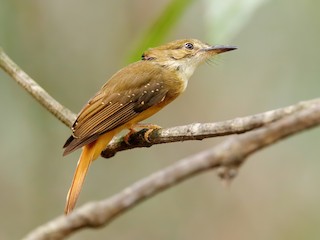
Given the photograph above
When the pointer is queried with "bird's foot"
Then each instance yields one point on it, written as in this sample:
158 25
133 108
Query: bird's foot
149 127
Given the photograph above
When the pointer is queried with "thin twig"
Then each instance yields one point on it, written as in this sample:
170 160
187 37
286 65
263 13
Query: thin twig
230 154
59 111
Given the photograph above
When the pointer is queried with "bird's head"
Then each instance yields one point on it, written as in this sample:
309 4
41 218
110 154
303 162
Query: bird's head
184 55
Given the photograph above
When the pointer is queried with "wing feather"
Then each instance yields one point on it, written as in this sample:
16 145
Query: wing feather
115 104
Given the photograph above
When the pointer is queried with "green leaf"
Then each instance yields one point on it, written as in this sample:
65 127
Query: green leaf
160 28
225 18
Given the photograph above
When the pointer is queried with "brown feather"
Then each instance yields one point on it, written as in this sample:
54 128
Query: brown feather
115 104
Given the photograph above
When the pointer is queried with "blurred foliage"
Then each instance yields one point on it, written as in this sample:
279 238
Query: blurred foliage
225 19
159 29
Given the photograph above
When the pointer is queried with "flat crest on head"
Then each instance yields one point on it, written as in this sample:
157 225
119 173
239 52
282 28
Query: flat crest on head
175 50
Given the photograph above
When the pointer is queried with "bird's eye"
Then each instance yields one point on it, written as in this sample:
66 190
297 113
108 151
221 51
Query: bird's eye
188 46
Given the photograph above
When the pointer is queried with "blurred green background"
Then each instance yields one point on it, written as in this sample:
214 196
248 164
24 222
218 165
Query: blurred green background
72 47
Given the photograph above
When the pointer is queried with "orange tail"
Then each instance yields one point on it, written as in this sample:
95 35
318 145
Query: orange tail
89 153
79 176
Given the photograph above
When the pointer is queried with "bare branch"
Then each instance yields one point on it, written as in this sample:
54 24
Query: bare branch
230 154
13 70
199 131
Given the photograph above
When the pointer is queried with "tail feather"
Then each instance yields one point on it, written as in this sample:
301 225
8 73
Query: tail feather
90 152
78 179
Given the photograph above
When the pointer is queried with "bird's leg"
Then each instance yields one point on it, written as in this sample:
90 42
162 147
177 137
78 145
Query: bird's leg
128 135
150 128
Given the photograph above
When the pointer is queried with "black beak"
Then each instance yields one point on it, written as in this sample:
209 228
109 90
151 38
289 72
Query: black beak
220 49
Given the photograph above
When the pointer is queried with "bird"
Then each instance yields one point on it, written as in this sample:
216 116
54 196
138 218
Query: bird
130 96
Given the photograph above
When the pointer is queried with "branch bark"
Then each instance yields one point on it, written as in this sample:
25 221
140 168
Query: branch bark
34 89
258 131
200 131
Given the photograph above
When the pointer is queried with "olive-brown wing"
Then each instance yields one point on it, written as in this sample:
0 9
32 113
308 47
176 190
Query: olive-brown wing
105 111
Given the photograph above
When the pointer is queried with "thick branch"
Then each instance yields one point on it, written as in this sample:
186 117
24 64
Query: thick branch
59 111
230 154
199 131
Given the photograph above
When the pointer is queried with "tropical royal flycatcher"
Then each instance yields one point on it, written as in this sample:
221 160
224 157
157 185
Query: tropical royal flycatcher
131 95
